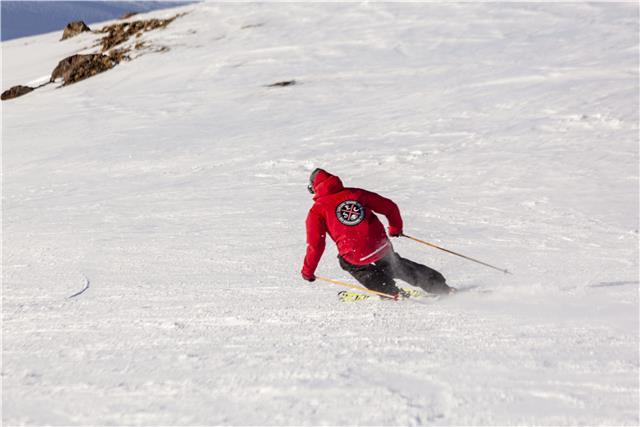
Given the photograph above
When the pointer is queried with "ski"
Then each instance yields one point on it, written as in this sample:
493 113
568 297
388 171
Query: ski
414 293
351 296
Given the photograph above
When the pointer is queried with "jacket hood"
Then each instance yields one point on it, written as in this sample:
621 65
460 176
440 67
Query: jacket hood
324 184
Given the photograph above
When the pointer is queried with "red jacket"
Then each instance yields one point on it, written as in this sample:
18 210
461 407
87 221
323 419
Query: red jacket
347 214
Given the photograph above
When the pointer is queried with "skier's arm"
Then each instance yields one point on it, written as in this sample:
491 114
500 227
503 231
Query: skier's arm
387 208
316 234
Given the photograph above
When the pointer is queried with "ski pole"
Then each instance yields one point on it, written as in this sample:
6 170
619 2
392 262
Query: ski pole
347 285
505 271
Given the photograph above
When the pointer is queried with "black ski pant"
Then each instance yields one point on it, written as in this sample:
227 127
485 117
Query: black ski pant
379 276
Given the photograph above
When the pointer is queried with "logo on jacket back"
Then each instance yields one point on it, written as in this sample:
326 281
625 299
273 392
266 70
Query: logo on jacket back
350 212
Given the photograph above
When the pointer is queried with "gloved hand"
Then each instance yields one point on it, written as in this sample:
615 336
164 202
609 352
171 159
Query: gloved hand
395 232
308 278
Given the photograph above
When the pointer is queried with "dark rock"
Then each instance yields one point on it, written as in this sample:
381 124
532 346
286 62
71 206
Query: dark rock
74 28
15 92
119 55
283 83
121 32
79 67
128 15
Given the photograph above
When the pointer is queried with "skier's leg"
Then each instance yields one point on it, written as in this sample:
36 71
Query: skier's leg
376 276
419 275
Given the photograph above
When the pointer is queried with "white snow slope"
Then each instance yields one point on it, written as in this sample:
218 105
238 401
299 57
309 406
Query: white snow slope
175 184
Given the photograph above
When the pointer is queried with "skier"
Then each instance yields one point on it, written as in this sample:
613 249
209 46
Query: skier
365 251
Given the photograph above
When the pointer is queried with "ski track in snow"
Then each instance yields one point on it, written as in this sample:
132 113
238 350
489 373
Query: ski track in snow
176 182
81 291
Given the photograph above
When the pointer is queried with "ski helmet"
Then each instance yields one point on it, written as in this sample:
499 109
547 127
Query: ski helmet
311 178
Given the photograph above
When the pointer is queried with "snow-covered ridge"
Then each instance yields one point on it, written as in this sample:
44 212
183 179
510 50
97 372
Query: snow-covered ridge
27 18
175 185
112 44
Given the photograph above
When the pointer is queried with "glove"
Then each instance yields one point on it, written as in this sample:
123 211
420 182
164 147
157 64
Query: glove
308 278
395 232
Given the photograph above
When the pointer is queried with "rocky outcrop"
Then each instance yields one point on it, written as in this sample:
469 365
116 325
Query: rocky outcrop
121 32
82 66
73 29
79 67
15 92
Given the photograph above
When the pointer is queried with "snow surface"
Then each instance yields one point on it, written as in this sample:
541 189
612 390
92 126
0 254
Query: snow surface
172 188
